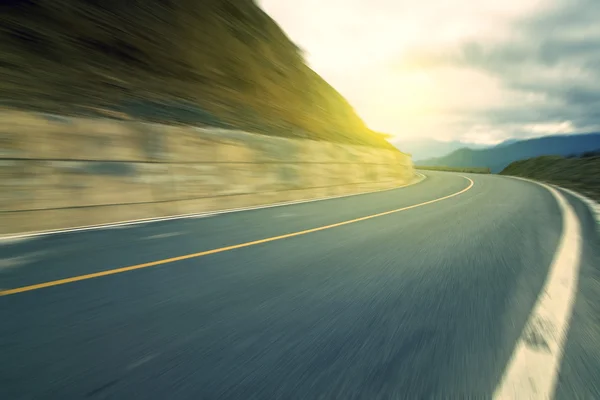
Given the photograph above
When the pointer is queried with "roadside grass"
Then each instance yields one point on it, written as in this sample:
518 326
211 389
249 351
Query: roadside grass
581 174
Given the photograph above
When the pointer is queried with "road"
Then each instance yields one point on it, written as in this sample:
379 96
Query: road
428 301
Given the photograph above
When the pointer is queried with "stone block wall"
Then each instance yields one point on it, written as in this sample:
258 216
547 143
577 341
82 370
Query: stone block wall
58 172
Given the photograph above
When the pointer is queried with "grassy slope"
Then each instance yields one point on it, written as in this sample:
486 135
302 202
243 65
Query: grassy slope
212 62
581 174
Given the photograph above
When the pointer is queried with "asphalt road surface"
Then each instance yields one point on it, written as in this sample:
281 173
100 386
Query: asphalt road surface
428 301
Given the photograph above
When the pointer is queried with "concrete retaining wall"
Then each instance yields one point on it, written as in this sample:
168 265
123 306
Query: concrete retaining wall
60 172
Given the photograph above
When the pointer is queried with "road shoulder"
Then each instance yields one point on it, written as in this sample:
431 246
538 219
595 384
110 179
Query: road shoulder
579 375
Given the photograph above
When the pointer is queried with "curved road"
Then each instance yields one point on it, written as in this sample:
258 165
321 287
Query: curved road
432 300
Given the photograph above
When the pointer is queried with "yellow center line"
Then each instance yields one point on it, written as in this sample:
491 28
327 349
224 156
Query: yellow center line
218 250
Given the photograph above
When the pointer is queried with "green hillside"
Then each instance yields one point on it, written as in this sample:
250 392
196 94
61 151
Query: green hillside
202 62
580 173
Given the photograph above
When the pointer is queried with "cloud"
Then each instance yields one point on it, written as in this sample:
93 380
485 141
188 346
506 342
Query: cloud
483 71
549 67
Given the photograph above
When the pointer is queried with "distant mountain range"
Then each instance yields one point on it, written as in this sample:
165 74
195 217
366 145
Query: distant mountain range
498 157
422 149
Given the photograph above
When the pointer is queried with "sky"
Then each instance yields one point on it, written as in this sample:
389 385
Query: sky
479 71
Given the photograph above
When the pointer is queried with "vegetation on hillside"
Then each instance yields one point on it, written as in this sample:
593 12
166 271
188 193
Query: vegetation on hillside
580 173
202 62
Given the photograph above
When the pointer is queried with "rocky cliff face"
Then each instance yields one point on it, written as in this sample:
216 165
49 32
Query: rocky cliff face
200 62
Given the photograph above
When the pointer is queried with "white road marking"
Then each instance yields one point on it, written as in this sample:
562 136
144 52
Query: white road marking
10 238
285 215
535 362
19 261
14 240
164 235
125 226
140 362
14 262
592 205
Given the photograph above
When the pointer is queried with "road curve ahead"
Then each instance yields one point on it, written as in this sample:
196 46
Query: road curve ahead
457 287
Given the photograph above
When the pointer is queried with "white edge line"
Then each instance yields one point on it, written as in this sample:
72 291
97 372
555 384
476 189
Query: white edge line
592 206
193 215
576 194
536 359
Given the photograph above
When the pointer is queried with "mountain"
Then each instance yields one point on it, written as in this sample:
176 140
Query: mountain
507 142
210 62
421 149
498 157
